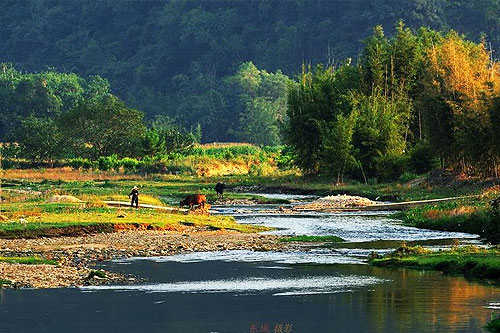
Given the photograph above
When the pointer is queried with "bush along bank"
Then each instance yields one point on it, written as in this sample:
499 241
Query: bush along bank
471 261
475 216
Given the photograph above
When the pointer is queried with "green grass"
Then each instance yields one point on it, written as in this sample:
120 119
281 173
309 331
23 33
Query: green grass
48 220
170 189
4 282
28 260
95 273
470 261
312 239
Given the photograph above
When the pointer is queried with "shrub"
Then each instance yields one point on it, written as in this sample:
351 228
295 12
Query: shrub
129 164
391 167
422 159
107 163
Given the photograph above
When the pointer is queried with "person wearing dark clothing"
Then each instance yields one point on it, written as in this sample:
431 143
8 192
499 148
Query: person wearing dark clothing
219 188
134 195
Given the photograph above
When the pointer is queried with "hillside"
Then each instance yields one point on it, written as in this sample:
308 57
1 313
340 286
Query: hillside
169 57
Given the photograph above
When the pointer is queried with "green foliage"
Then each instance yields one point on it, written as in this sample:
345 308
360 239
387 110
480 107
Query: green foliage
106 163
93 273
102 128
380 128
263 98
414 94
407 176
224 152
471 261
390 167
320 119
170 57
422 158
482 221
77 163
42 95
493 326
39 139
166 137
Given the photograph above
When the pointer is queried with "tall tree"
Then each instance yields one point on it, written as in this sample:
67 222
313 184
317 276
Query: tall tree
103 127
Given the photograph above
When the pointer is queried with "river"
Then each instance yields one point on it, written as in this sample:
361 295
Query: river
318 290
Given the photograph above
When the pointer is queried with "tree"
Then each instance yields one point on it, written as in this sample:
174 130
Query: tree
165 136
43 95
102 128
380 128
39 139
262 99
321 120
460 84
337 145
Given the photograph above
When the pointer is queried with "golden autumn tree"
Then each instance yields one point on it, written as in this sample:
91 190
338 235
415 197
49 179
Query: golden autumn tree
460 84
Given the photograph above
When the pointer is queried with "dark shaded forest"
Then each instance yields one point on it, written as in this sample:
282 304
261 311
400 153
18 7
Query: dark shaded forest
179 58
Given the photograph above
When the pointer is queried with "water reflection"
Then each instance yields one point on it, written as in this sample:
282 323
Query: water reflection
431 301
396 300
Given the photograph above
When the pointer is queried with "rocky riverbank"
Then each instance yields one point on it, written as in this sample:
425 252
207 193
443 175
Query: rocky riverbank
77 255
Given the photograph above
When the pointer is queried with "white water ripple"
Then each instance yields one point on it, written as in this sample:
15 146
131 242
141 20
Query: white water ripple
316 256
279 287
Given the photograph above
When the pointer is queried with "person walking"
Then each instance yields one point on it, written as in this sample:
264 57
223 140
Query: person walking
134 195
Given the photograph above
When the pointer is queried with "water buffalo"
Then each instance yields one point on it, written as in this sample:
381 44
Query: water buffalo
219 188
194 199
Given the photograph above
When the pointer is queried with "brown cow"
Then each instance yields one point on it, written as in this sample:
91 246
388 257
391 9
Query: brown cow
194 199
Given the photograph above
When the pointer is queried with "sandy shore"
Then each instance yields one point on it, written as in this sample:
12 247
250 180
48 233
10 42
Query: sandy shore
76 255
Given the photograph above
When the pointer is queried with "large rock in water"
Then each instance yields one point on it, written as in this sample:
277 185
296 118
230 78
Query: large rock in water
337 201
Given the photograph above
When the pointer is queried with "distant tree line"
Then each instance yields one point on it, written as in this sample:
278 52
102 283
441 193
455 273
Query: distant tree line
413 102
50 115
171 57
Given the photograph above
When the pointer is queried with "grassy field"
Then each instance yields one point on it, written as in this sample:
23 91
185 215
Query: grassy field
35 219
27 210
471 261
26 193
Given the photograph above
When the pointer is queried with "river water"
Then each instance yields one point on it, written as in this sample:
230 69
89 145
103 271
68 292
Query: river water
319 290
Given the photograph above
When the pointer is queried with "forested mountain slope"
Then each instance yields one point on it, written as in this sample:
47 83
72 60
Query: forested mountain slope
170 57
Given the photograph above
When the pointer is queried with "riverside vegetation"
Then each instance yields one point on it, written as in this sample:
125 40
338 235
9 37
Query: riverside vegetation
414 102
471 261
84 226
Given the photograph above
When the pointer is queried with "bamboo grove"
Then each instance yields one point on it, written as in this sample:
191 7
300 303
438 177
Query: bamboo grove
412 102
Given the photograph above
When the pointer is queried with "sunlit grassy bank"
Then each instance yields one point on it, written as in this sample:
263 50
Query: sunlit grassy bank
34 187
470 261
42 219
472 215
